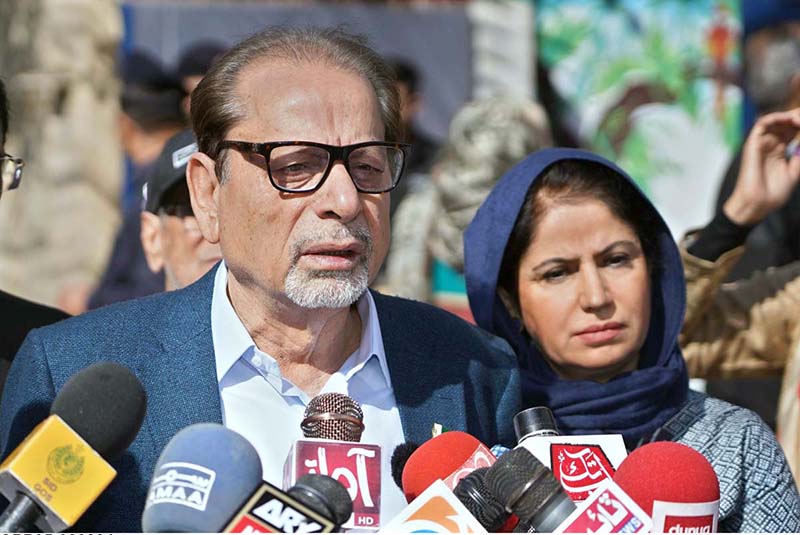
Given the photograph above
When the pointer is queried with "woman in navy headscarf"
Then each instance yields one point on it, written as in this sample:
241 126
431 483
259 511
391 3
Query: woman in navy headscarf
570 263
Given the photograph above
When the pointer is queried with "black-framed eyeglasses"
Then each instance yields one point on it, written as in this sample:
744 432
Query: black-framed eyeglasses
10 171
303 166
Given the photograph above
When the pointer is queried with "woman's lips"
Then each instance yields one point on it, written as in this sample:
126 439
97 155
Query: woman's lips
600 334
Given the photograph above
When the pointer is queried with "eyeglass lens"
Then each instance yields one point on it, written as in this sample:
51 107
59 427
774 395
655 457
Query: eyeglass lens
10 172
302 167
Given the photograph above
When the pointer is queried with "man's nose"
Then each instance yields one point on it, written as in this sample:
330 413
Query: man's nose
594 292
338 197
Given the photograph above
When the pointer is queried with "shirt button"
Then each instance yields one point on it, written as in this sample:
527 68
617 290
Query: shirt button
256 360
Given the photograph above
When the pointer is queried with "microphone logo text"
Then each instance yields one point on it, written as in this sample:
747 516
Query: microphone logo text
65 463
181 483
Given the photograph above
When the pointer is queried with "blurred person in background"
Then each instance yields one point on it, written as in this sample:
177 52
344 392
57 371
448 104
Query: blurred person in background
151 114
19 315
58 60
751 327
772 81
486 138
193 64
171 237
423 148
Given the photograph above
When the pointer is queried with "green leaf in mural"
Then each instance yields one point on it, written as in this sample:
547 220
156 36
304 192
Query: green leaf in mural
561 39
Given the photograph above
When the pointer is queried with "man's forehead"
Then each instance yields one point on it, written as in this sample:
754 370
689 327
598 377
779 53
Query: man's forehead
282 95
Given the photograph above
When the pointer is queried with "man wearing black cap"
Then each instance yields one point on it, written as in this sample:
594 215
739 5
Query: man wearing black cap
171 238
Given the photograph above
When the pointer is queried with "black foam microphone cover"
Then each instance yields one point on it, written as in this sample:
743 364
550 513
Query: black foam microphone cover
324 495
478 499
105 404
528 489
399 459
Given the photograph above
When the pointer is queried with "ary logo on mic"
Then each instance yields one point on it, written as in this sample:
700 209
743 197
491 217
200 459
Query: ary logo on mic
182 484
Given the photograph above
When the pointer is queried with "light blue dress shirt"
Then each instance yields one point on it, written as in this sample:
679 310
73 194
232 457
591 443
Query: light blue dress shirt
266 408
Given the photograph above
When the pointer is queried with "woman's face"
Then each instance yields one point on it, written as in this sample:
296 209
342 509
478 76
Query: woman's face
584 291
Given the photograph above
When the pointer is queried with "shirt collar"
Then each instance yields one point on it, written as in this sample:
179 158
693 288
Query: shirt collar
232 341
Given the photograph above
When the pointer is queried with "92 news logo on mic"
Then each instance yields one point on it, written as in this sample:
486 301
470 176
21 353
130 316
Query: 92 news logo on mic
580 468
355 465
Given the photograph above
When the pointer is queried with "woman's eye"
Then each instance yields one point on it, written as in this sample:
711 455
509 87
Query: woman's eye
555 275
618 260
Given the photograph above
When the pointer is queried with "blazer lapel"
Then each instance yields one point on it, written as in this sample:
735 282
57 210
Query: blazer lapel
424 394
179 371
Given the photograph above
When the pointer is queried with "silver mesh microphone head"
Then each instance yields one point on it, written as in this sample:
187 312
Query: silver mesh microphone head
333 416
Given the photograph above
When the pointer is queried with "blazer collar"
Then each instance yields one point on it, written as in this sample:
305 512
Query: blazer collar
423 393
177 363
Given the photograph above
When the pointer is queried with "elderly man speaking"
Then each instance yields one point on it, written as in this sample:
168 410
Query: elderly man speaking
297 132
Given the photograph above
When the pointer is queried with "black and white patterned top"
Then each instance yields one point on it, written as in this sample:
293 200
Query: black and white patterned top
757 491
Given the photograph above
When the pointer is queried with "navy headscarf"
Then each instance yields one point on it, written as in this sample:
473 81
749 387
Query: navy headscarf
634 404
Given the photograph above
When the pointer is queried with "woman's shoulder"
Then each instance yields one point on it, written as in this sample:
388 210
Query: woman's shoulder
713 415
754 479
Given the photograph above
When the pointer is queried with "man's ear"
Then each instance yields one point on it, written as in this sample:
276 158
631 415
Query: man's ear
201 177
152 241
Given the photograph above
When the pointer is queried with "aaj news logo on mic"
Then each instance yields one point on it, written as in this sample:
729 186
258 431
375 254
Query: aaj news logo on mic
355 465
182 483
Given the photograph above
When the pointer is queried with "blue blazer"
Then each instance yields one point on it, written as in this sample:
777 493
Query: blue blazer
443 370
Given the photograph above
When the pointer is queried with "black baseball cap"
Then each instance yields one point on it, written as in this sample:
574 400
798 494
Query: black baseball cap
169 169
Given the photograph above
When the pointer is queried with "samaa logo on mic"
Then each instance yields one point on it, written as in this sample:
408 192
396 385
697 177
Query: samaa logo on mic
674 517
580 468
182 484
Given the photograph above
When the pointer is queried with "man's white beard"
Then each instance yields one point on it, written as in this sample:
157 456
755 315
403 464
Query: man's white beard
327 289
330 289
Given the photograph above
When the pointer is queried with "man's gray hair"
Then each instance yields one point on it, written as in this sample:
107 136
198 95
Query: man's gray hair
215 108
768 76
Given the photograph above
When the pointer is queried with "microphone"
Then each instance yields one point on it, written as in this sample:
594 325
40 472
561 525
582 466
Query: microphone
525 487
579 462
449 457
333 416
324 495
400 457
436 510
317 504
61 468
675 485
208 479
205 473
482 504
333 424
